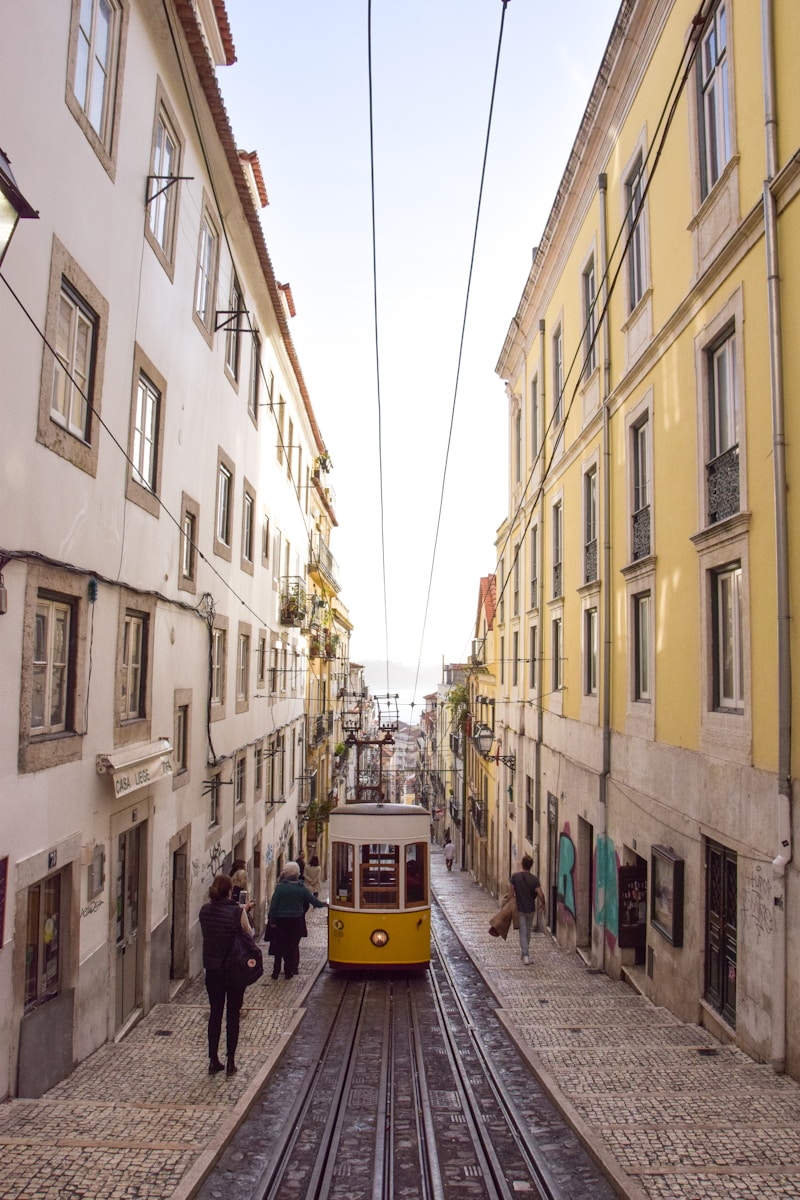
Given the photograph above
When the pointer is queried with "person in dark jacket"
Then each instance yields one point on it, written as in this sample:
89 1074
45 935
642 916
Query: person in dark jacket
529 895
287 910
218 921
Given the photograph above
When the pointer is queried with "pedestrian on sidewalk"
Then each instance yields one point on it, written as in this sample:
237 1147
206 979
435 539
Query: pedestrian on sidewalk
529 896
219 918
301 862
239 879
313 875
287 916
449 854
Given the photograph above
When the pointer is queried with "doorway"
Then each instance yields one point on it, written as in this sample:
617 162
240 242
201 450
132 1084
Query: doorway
552 861
128 945
178 937
721 930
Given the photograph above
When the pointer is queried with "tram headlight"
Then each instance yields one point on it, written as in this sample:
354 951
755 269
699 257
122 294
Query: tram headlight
379 937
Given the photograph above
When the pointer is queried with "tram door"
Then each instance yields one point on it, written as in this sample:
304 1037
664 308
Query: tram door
127 922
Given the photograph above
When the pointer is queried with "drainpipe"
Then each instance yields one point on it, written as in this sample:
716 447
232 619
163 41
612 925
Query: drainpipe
605 696
784 799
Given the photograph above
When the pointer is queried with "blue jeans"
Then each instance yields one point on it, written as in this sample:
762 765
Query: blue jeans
526 924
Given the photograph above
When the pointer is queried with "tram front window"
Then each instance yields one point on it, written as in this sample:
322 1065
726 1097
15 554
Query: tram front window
343 872
416 883
379 875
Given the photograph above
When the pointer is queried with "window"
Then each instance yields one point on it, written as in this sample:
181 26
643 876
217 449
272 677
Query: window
558 378
180 755
641 647
518 447
535 418
71 386
529 794
714 117
239 780
255 377
290 449
722 469
728 656
258 771
134 664
535 566
206 276
218 637
590 561
213 802
516 570
640 478
634 200
145 433
558 651
248 528
590 319
162 195
96 50
273 669
265 540
591 651
281 410
515 659
558 549
501 591
502 660
76 336
190 530
243 667
51 667
233 326
532 658
223 520
44 925
261 661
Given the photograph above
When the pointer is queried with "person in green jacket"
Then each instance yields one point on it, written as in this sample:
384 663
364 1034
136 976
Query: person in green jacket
286 920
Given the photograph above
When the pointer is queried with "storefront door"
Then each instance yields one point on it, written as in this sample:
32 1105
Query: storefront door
721 930
127 923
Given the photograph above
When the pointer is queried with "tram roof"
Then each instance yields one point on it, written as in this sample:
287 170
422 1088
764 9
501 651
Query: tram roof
363 809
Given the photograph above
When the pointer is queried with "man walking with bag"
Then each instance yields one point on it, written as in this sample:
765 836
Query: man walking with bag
529 895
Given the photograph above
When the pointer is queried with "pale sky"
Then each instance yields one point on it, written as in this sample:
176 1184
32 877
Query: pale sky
299 96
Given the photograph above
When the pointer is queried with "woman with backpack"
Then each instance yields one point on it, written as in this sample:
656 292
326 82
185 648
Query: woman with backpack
219 919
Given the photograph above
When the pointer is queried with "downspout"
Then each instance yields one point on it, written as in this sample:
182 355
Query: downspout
540 664
605 696
783 829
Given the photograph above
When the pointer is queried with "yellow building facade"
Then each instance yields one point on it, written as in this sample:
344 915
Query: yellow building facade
646 565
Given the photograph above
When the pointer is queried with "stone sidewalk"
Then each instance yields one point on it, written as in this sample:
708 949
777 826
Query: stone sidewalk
667 1111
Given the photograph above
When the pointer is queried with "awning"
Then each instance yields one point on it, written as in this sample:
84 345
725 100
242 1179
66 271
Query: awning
138 766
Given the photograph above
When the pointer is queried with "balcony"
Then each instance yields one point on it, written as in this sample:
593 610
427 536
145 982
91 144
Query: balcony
641 533
478 655
322 643
324 564
293 600
722 481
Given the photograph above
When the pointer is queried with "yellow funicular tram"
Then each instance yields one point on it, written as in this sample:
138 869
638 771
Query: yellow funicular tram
379 915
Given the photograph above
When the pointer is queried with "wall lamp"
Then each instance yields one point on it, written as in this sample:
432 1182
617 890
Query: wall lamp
13 205
483 740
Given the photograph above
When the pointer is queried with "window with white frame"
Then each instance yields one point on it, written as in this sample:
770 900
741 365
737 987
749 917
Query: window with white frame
557 631
162 202
233 327
558 377
224 514
97 39
50 698
640 480
590 559
642 616
532 649
290 449
516 571
258 770
76 339
591 651
634 201
728 656
265 541
180 755
714 116
218 642
502 660
518 447
501 591
261 661
515 658
589 290
206 275
248 526
273 669
535 566
722 469
243 667
145 433
534 418
213 802
558 550
254 386
240 780
134 666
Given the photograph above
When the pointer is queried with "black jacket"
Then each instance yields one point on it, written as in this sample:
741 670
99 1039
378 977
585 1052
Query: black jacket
218 920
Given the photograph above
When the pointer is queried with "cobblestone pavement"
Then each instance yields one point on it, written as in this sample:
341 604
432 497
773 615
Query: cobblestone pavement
671 1113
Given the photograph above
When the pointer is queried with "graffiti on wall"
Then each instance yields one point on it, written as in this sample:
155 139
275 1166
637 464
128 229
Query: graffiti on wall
606 896
566 872
216 858
757 901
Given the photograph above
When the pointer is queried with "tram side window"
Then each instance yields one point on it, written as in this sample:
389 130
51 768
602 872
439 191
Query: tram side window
379 875
343 872
416 880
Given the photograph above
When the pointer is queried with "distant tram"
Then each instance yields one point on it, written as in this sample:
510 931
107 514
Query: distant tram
380 914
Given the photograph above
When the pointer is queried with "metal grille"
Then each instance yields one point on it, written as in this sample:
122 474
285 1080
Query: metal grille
722 478
641 533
